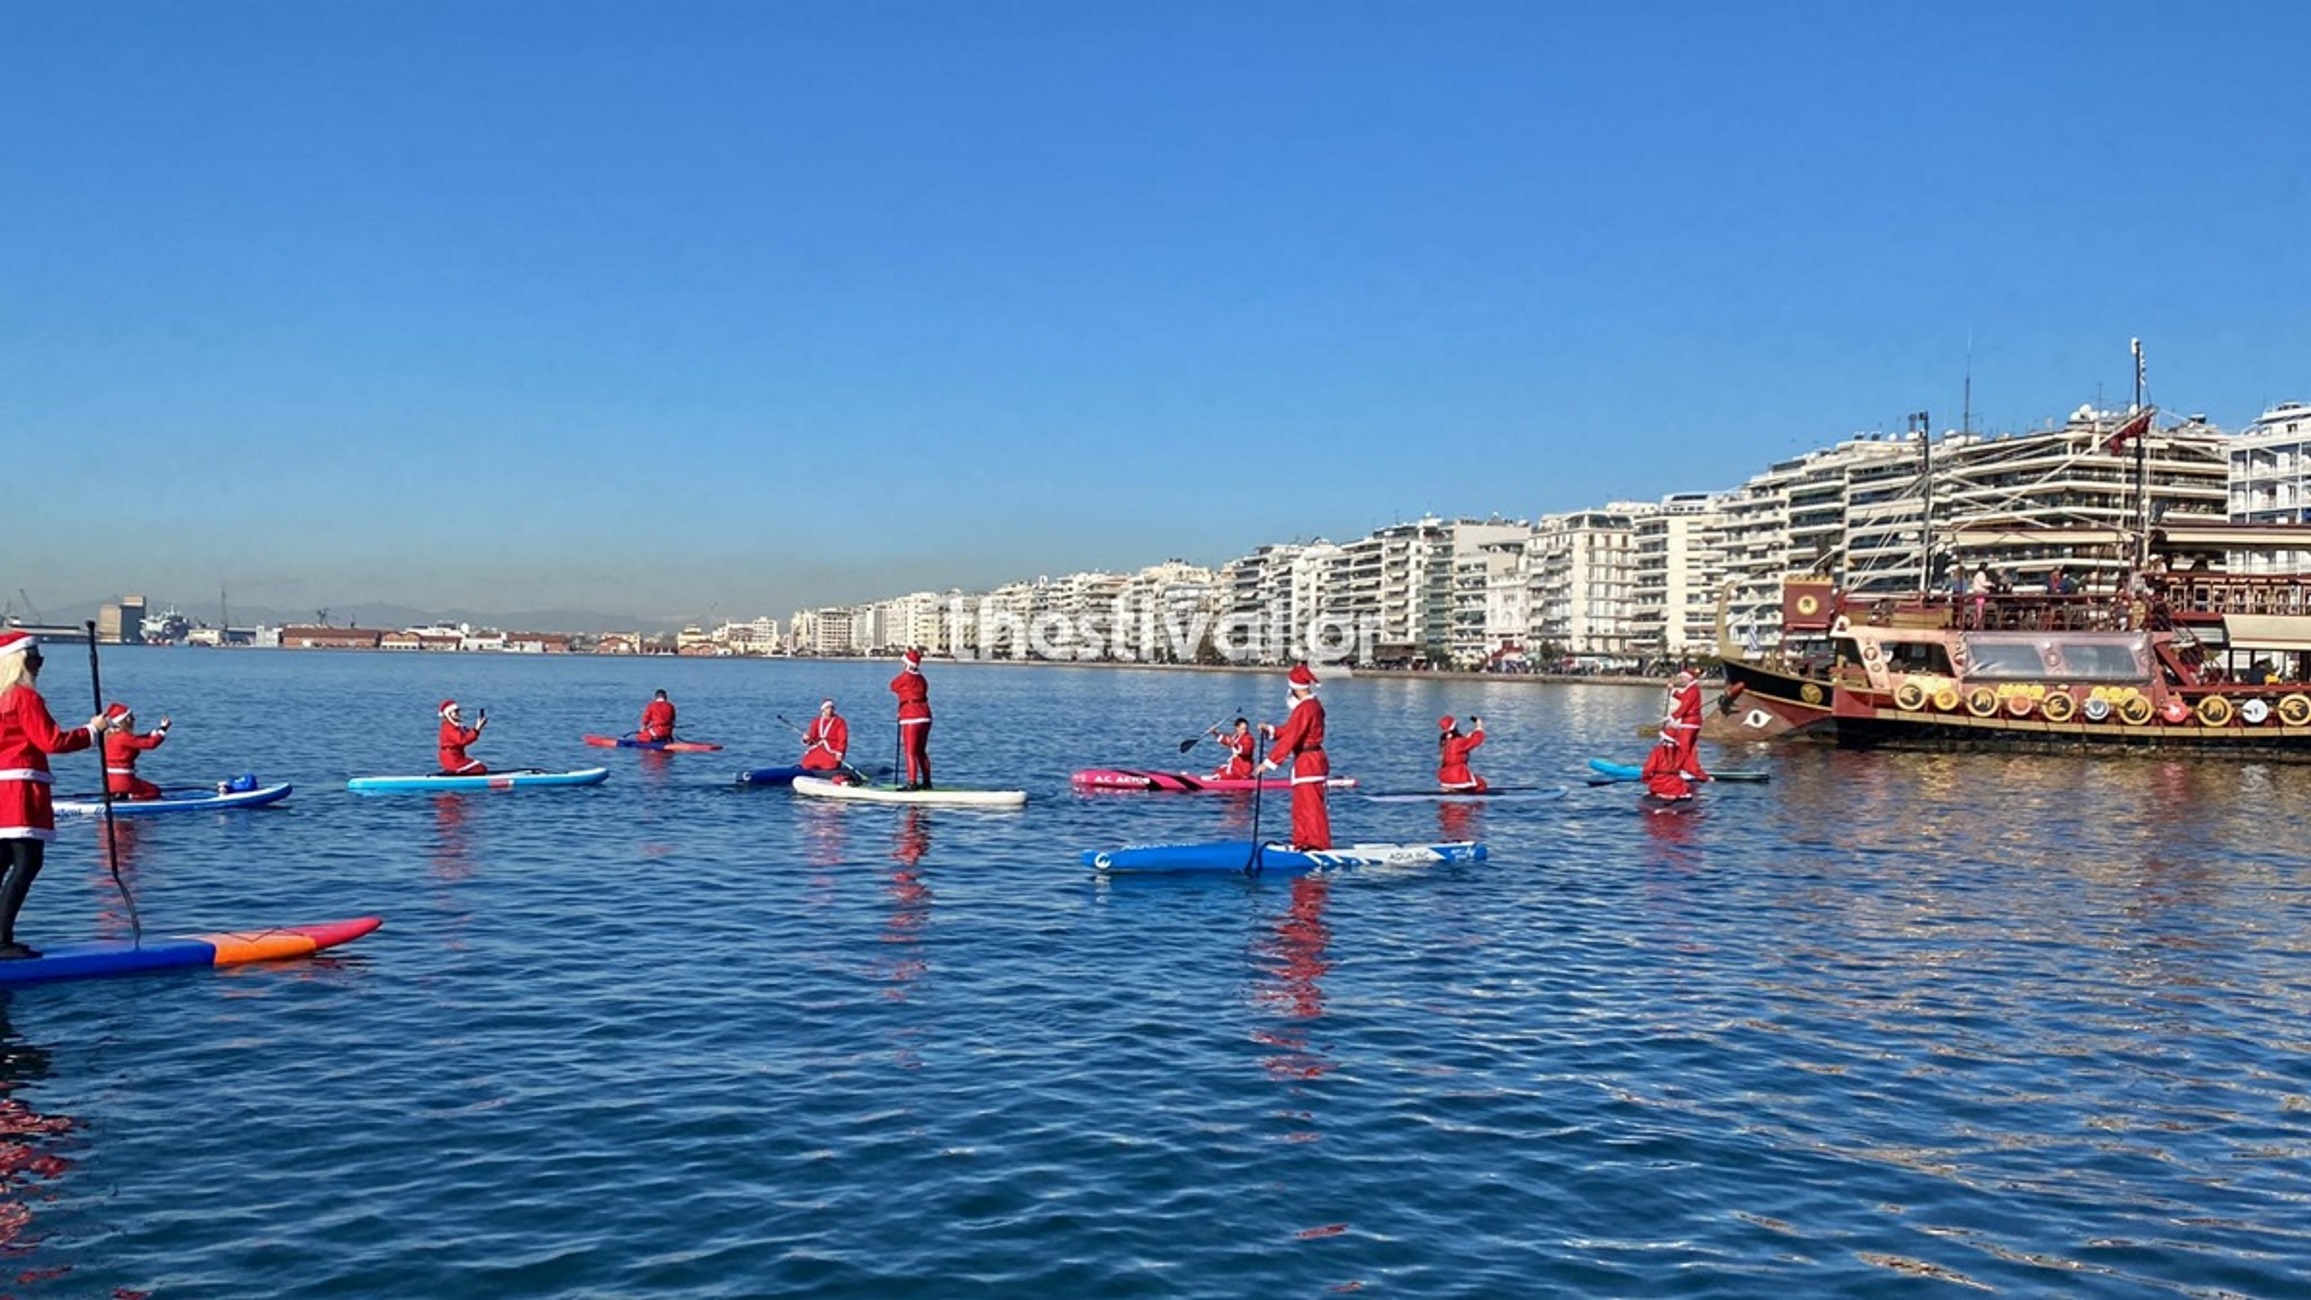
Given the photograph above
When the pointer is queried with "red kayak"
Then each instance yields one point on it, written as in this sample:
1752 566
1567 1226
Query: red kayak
662 746
1126 778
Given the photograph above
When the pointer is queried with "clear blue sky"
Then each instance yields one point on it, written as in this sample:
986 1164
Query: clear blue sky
653 307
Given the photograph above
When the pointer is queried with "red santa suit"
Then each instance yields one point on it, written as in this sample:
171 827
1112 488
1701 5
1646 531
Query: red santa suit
657 720
1682 726
1452 751
1661 775
1301 738
454 739
120 750
825 741
27 737
914 719
1238 765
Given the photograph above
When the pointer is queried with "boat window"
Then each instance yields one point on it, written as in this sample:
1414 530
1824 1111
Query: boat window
2100 661
2004 659
1918 657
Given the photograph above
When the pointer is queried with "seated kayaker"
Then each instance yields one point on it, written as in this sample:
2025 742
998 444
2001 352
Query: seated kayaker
1660 774
1452 751
657 719
826 740
1242 746
121 746
455 736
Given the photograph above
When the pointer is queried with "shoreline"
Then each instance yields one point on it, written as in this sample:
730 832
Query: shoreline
1336 671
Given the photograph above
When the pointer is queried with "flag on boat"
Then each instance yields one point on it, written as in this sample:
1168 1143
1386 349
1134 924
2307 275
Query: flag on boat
2136 426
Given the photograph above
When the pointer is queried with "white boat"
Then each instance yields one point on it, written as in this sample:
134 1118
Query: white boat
821 788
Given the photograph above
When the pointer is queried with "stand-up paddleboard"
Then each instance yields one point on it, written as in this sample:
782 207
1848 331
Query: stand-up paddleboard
1137 779
1497 794
485 781
72 961
1609 772
189 799
1275 859
660 746
821 788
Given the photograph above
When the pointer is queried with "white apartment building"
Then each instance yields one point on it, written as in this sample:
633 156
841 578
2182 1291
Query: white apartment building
821 631
756 637
917 619
2269 481
1485 558
1679 563
1583 584
1166 612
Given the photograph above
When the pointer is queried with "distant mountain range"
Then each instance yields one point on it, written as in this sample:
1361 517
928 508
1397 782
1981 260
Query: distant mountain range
387 616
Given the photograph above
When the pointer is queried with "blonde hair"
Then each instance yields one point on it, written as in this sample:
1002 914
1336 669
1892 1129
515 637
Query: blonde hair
13 670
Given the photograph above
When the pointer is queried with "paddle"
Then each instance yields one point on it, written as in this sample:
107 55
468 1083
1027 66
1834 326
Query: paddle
111 843
1259 783
852 772
1192 741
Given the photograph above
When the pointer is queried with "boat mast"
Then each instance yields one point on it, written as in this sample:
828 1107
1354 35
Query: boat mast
2142 480
1923 425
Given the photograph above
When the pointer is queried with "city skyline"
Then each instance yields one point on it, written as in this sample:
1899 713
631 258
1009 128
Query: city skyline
586 306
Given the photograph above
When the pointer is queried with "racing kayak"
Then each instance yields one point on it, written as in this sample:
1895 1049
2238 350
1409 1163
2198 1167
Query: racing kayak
197 798
659 746
73 961
772 775
1609 772
1225 856
1498 794
1132 778
821 788
485 781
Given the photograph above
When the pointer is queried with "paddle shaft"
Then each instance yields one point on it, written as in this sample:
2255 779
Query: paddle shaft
1259 783
1191 742
111 841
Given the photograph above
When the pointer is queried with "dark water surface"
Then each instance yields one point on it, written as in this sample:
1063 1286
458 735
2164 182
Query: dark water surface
1889 1024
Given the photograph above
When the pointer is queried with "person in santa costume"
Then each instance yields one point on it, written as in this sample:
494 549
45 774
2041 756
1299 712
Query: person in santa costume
1662 776
1452 751
1301 739
1243 750
28 735
122 744
1682 725
455 736
826 739
657 719
914 719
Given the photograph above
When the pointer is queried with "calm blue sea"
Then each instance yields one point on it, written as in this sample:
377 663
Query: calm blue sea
1887 1025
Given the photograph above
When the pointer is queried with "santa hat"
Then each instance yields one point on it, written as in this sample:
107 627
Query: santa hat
1302 678
1444 723
914 657
116 710
17 642
1684 677
448 707
826 704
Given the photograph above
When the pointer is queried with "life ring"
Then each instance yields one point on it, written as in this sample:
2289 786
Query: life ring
1946 699
2214 711
2097 709
2295 710
2059 706
1909 697
2018 705
2135 710
2255 712
2175 711
1982 701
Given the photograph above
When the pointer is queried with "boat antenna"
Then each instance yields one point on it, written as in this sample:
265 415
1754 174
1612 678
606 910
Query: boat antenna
2142 482
1966 411
1922 424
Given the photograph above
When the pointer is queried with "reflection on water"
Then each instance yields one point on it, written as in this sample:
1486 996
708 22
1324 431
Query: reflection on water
30 1143
1459 821
452 853
1293 957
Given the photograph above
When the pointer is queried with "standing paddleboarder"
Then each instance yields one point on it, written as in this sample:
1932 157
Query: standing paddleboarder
914 719
28 735
1301 739
455 736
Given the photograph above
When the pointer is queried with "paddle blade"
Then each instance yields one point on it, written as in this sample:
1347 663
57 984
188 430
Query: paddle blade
1189 743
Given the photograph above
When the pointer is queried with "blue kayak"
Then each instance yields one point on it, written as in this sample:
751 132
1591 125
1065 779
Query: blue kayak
485 781
190 799
775 775
1274 859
